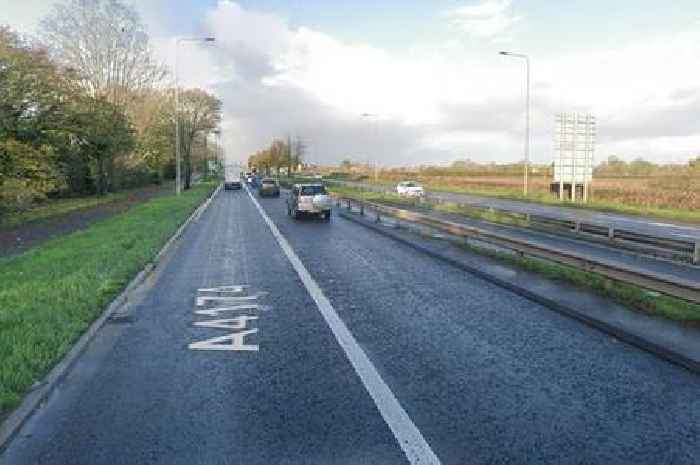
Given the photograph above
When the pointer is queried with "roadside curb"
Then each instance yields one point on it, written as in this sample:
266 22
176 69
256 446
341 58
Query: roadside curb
666 353
35 397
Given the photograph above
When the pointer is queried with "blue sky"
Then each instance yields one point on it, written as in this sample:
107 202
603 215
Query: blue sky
395 24
547 26
430 70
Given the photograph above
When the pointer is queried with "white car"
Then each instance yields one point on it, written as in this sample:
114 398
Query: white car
410 189
309 198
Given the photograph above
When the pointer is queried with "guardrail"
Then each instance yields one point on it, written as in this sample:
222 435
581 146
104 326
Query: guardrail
669 248
657 282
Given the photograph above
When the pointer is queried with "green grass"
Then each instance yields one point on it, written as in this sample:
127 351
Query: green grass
395 199
626 294
56 208
51 294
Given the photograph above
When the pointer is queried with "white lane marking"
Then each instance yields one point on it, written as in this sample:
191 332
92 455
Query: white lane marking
226 289
410 439
246 303
676 226
230 323
201 301
233 342
235 308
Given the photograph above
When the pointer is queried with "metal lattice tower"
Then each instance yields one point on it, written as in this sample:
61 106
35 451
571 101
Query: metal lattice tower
575 138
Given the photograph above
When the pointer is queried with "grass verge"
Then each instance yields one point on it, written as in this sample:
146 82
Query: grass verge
51 294
396 200
679 215
626 294
57 207
631 296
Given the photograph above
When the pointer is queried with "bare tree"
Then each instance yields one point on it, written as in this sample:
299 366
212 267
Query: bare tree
106 44
200 113
299 152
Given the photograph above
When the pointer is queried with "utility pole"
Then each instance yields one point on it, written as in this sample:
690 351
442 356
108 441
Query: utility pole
526 162
373 115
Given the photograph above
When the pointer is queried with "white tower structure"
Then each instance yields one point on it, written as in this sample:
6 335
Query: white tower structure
575 137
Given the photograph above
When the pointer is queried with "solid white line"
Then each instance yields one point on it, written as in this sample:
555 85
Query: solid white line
408 436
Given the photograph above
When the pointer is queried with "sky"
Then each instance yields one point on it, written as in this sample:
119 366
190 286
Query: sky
429 73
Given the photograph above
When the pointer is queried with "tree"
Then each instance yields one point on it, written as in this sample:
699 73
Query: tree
30 116
200 113
102 134
105 42
154 123
278 154
299 152
694 165
105 47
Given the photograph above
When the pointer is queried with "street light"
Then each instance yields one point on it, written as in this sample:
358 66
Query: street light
372 115
178 175
527 115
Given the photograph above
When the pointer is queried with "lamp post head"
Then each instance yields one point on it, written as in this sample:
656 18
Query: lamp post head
210 39
503 53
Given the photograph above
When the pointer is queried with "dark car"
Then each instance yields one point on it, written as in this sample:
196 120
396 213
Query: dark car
268 188
232 185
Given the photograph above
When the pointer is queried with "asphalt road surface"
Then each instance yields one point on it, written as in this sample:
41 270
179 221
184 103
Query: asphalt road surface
639 224
363 351
651 226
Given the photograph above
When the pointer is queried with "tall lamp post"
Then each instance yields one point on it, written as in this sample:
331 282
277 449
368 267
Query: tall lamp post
527 114
178 172
372 115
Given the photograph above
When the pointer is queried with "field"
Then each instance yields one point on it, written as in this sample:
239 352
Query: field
667 197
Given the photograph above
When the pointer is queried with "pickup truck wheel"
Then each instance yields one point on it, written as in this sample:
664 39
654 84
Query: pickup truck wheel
296 214
326 215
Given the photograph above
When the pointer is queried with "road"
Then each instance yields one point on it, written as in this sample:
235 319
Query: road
640 224
671 271
368 352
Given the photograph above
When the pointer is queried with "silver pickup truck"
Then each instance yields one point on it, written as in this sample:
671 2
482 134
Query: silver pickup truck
309 199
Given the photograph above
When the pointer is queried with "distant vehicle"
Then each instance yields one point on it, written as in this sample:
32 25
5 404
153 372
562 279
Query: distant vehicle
232 185
232 177
268 188
250 179
410 189
309 199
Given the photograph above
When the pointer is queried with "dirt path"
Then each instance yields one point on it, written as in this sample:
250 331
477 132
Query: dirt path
18 239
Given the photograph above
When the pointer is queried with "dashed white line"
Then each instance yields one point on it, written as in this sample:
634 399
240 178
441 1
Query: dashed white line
410 439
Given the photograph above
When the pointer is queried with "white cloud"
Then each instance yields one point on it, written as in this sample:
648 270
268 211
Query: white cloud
435 103
24 16
488 19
